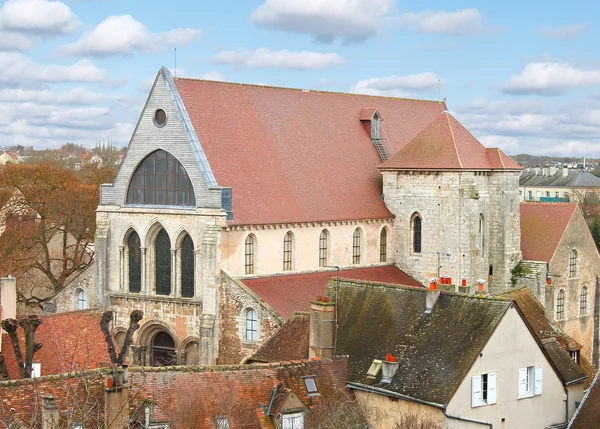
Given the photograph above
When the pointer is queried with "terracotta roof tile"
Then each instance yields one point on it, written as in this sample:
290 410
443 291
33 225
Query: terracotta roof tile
587 416
290 342
297 156
542 227
294 292
446 144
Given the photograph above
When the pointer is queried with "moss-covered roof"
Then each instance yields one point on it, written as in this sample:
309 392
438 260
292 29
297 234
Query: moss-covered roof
290 342
435 350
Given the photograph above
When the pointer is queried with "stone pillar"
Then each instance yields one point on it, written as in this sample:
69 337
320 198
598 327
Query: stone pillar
8 297
197 278
322 329
175 292
144 288
101 261
50 415
207 334
121 268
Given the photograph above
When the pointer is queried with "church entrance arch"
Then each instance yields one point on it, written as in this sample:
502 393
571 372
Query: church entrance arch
163 350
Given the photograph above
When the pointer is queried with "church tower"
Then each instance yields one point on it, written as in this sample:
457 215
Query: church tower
456 205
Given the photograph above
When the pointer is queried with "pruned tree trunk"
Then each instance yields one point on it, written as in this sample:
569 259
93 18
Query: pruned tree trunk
134 319
29 325
3 368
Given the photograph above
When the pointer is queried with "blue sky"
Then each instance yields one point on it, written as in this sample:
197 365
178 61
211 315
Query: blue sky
523 76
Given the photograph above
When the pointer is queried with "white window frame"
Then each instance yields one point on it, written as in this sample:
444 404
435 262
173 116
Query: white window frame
82 303
36 369
253 331
222 422
292 421
530 381
477 390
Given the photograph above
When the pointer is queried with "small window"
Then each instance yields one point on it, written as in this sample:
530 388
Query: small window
160 118
557 194
36 369
311 386
529 195
323 244
356 239
483 389
292 421
416 233
251 325
481 234
249 254
81 300
575 356
222 422
383 245
547 193
573 264
288 248
560 305
530 381
77 426
583 301
491 270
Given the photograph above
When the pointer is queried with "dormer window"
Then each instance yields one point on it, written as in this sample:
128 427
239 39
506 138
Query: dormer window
292 421
376 127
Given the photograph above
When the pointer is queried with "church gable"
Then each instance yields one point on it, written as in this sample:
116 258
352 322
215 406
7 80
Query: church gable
165 131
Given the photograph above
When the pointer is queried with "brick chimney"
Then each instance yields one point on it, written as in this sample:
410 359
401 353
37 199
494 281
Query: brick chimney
322 328
50 415
433 293
116 398
8 297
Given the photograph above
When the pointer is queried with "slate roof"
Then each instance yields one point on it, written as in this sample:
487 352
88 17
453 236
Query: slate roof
291 155
446 144
435 351
574 179
587 415
542 227
556 343
294 292
290 342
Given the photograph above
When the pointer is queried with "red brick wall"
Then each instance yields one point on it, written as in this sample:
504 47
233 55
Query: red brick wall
71 341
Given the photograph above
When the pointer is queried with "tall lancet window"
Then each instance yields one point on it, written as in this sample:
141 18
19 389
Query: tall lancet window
161 180
323 244
187 267
162 252
288 251
416 233
356 246
383 245
135 262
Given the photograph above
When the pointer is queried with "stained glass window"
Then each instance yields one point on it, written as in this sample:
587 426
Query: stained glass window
162 249
383 246
161 180
417 234
187 267
135 263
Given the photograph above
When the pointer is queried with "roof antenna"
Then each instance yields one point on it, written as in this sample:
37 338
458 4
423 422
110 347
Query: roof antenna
175 63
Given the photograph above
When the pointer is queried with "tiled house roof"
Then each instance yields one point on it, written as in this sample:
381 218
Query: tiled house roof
294 292
587 415
435 351
297 156
446 144
574 179
290 342
542 227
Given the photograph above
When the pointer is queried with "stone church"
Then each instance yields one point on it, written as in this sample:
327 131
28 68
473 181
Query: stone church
226 181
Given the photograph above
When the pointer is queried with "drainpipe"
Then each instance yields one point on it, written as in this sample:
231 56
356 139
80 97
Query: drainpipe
465 419
596 340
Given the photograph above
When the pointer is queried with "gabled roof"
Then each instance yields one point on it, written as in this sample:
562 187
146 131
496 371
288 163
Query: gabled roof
435 351
574 179
294 292
542 227
290 342
293 155
446 144
587 415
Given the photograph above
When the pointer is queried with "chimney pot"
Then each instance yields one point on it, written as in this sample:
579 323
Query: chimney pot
463 283
433 284
322 327
480 287
389 369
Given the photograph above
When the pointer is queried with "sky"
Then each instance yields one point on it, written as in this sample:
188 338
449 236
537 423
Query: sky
520 75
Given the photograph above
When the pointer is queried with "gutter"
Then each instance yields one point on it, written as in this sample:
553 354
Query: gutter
385 392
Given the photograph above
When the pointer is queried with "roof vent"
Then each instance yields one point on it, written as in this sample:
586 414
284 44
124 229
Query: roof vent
389 368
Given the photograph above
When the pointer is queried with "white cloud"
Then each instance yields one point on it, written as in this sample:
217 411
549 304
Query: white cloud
466 22
37 17
11 41
399 86
551 78
505 143
563 33
264 58
122 35
75 96
351 20
213 75
15 69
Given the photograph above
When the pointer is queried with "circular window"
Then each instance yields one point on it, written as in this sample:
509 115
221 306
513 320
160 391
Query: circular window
160 118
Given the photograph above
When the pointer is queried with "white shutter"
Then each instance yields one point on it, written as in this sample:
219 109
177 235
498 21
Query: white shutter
538 380
491 394
476 391
522 382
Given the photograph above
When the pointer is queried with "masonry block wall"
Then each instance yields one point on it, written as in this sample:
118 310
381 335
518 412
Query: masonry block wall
67 300
451 205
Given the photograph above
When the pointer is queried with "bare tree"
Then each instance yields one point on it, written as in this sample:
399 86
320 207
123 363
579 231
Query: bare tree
134 319
29 326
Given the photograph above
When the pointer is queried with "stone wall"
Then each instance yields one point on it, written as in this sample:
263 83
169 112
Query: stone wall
67 299
235 300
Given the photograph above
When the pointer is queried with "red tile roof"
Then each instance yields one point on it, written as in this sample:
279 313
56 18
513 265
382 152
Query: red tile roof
446 144
542 227
587 416
298 156
294 292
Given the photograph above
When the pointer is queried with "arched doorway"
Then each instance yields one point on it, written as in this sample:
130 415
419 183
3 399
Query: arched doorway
163 350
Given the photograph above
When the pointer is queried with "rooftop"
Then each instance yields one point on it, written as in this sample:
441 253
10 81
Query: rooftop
574 178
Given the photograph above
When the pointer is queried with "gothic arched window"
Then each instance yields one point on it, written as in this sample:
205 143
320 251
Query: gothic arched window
416 233
81 300
356 239
323 244
162 252
583 301
187 267
161 180
560 305
251 325
288 251
481 234
383 245
249 254
573 264
134 252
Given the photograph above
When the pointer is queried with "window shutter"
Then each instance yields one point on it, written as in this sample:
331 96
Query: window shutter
522 382
538 380
491 396
476 391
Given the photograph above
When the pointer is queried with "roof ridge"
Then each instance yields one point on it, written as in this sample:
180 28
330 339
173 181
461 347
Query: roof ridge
306 90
